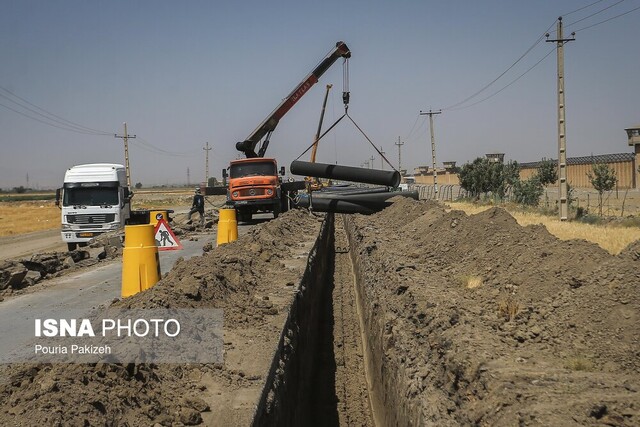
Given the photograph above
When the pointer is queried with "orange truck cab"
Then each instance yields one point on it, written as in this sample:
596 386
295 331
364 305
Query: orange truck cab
255 187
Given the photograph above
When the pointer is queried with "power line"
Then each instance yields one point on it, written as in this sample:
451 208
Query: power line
509 84
47 123
412 127
595 13
150 147
582 8
49 115
453 107
607 20
502 74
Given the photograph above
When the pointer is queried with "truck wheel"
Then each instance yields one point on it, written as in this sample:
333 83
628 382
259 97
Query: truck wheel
276 210
72 246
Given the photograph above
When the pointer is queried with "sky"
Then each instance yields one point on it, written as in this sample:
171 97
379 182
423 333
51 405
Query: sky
182 74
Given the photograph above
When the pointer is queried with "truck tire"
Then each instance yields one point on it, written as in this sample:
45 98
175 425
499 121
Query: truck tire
72 246
276 210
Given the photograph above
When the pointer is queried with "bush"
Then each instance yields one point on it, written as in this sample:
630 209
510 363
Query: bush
528 192
547 172
590 219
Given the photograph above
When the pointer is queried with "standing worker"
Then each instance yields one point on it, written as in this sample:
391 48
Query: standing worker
197 206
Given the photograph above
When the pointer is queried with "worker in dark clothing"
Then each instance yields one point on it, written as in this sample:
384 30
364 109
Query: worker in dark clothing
197 206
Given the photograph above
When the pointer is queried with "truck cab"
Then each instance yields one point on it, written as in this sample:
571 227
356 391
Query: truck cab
254 186
94 199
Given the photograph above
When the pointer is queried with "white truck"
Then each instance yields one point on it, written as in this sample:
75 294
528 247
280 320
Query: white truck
94 199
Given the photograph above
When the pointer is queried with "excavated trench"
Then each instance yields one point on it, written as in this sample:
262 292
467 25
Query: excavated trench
321 372
375 320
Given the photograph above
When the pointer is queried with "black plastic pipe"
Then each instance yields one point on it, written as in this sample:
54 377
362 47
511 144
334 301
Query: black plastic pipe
367 197
340 206
357 203
346 173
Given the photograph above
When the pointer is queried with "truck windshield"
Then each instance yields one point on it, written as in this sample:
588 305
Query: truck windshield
248 169
95 196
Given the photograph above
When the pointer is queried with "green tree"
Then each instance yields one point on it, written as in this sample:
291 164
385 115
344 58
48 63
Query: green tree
19 190
213 181
547 172
138 185
603 178
474 177
483 176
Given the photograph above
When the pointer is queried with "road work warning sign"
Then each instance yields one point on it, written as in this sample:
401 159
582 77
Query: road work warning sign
165 239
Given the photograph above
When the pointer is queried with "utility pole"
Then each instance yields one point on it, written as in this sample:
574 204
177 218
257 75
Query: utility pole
188 178
372 159
433 147
126 137
399 144
563 199
206 165
382 153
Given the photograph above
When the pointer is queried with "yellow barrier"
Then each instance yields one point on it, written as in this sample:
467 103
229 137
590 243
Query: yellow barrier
155 216
140 262
227 226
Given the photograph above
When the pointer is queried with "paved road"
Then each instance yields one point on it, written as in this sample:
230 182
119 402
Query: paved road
24 245
76 293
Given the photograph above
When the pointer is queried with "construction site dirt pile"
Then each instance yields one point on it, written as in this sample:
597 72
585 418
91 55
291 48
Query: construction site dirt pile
485 322
246 278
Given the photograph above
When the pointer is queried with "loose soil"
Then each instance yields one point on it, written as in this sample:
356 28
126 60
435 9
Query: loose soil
479 321
246 278
430 317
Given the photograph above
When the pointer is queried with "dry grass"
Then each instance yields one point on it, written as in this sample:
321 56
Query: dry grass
471 281
611 238
28 216
579 363
20 217
508 308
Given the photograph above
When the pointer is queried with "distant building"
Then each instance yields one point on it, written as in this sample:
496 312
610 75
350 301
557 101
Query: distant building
625 166
495 157
449 165
633 135
421 170
446 175
577 168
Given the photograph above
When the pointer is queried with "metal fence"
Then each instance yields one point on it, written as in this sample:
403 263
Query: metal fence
444 193
619 202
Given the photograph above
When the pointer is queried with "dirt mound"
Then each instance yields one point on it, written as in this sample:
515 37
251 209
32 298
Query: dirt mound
229 277
490 323
403 209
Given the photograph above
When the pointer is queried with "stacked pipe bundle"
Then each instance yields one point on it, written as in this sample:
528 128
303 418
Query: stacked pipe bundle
349 199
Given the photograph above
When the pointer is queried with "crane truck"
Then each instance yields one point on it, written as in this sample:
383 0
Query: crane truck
255 184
